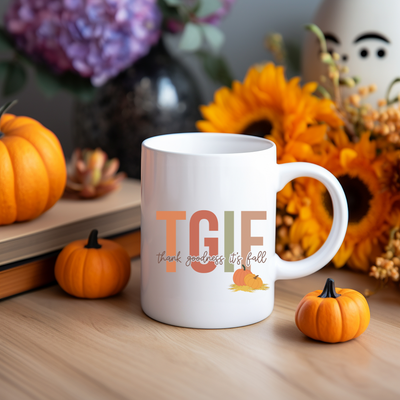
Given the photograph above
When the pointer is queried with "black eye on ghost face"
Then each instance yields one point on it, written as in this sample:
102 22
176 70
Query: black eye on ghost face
381 53
364 52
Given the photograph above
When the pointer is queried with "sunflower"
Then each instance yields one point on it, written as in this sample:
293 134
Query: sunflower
361 174
390 176
267 105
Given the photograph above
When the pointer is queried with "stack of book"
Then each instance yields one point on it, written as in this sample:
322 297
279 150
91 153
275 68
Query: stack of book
28 250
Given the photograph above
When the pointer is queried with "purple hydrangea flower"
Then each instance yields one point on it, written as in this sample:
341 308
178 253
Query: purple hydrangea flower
95 38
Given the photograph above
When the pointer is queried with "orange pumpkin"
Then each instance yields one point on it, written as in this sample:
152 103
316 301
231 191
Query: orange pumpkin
93 269
239 275
32 168
254 281
333 316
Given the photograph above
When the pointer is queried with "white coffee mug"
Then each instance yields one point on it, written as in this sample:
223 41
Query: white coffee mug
208 210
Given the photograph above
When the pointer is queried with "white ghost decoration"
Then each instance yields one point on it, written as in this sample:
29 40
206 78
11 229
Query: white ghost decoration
366 35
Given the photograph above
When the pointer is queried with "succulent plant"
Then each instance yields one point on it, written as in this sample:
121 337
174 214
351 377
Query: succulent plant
91 174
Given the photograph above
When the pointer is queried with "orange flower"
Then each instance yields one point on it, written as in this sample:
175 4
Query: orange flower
360 171
268 105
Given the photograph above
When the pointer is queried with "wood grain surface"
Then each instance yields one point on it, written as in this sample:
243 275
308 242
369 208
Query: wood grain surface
53 346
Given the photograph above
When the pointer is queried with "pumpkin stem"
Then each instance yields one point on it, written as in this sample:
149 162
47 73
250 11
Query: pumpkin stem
329 290
4 108
92 242
244 268
256 276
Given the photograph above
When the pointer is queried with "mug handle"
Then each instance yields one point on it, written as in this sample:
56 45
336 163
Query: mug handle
307 266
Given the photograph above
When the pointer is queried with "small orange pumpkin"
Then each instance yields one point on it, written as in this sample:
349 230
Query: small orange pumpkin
333 316
32 168
253 281
93 269
239 275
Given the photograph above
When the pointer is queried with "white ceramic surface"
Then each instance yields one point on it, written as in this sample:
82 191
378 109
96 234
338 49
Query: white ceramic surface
216 193
368 41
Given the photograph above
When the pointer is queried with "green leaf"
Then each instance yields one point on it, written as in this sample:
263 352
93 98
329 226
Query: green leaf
47 82
5 41
213 35
15 78
216 68
173 3
395 99
191 37
319 34
167 11
325 94
208 7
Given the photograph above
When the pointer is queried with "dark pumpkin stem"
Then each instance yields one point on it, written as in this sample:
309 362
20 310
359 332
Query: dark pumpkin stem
244 268
256 276
329 290
92 242
4 109
7 106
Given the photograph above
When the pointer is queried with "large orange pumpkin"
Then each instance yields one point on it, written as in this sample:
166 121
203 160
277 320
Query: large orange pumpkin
93 268
331 315
32 168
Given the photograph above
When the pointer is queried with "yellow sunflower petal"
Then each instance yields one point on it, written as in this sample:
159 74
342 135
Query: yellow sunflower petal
359 259
340 138
287 158
305 213
287 191
299 150
344 253
313 135
297 231
310 87
206 126
366 147
311 243
347 156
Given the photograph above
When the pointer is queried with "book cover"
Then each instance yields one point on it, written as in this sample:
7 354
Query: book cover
69 220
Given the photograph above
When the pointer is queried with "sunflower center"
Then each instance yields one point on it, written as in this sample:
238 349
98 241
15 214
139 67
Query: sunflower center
358 198
259 128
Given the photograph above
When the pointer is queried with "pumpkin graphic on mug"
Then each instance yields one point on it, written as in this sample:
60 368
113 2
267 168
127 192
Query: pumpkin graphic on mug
245 281
240 274
254 281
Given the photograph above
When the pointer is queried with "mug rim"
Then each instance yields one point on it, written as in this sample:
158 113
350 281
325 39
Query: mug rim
268 145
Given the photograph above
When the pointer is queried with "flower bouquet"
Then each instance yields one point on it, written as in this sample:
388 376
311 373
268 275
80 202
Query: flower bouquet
358 143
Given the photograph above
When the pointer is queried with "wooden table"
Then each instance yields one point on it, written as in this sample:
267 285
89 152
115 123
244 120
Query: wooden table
53 346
